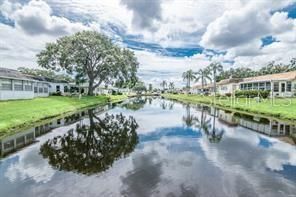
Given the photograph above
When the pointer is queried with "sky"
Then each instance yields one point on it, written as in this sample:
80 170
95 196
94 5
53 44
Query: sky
167 36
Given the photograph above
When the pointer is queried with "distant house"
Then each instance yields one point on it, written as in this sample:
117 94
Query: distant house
223 87
281 84
15 85
55 86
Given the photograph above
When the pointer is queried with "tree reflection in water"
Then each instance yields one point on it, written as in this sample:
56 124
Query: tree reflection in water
135 104
92 148
206 124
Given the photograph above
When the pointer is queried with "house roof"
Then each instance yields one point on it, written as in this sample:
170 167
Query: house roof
222 82
12 74
272 77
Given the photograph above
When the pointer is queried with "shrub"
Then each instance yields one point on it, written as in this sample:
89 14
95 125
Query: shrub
56 93
252 93
228 94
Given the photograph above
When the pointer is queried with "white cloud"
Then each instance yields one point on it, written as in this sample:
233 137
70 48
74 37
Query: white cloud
235 27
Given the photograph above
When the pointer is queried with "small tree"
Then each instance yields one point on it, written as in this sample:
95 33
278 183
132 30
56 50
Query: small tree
150 88
215 67
163 84
189 76
203 75
140 87
171 86
93 56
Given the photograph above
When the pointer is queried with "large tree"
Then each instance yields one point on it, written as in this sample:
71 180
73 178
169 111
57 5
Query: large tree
92 55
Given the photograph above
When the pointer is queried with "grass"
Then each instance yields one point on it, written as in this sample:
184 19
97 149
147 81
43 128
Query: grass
284 108
22 113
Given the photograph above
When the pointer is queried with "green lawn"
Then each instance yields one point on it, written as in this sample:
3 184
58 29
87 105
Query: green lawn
22 113
280 108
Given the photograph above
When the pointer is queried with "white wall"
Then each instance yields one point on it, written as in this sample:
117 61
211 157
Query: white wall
15 95
53 87
227 88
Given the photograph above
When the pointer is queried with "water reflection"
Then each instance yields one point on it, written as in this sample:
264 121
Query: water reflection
93 147
135 104
20 140
206 123
171 159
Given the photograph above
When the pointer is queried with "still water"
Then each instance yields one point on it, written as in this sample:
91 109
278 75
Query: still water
151 147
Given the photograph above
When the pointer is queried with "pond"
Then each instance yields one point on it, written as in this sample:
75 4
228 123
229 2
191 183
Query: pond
151 147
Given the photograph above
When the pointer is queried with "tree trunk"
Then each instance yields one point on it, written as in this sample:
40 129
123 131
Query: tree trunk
214 83
91 88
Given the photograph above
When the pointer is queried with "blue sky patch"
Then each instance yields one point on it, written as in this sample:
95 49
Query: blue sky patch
291 10
267 40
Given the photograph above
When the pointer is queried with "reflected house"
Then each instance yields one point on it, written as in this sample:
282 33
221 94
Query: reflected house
17 141
15 85
262 125
279 85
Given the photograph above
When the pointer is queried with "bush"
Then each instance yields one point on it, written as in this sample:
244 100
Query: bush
228 94
252 93
56 94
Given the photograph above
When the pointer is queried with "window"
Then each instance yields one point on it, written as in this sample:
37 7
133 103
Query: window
276 86
45 90
255 86
289 86
58 88
18 85
241 86
40 90
261 86
66 89
283 87
249 86
268 86
5 84
28 86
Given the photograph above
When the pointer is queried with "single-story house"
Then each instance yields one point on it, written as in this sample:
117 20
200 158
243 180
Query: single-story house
15 85
223 87
280 85
55 86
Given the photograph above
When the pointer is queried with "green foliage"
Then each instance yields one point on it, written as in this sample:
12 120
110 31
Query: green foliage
252 93
16 114
189 76
96 145
92 56
45 73
140 87
270 68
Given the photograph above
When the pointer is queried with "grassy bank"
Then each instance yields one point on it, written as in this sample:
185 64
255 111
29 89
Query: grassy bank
22 113
278 108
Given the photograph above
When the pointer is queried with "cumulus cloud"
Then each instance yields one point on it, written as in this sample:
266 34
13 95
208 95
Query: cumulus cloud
236 28
145 12
36 18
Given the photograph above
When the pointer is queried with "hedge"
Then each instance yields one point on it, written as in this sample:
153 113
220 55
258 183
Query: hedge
252 93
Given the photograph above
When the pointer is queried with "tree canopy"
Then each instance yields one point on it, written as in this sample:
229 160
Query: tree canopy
91 55
92 148
45 73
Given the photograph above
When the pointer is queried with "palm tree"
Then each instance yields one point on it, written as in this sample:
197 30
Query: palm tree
189 120
189 76
171 85
163 84
215 67
203 75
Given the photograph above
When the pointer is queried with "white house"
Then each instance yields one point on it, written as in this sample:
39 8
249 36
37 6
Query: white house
14 85
280 85
223 87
